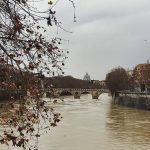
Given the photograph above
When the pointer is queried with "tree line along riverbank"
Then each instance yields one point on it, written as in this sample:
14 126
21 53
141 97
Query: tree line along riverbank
130 87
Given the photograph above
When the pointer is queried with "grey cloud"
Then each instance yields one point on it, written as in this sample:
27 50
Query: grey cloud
112 11
107 34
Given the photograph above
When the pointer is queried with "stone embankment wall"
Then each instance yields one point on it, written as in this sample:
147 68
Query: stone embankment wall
132 99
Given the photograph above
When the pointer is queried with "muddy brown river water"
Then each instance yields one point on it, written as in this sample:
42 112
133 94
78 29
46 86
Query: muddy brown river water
89 124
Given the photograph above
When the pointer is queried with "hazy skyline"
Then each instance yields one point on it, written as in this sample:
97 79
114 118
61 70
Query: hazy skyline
107 34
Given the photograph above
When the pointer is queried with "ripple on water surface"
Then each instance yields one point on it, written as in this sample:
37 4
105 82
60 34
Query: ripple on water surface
97 125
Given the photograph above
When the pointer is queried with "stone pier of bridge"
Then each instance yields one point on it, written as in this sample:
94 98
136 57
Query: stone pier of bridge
95 94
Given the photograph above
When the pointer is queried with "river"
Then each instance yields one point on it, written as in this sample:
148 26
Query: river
89 124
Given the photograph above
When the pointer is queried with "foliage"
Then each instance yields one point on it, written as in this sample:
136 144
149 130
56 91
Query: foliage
25 50
10 78
23 44
71 82
25 123
117 80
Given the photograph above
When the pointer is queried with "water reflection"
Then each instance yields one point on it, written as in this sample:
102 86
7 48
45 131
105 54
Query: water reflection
129 124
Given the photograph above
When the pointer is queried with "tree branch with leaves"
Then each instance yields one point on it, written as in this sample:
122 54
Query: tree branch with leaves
25 50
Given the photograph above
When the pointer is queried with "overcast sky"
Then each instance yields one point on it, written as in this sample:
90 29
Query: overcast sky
107 34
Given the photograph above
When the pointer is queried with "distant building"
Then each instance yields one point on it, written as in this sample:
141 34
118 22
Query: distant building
87 77
100 84
142 76
95 81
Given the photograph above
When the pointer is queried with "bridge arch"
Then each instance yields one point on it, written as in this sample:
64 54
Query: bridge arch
65 92
85 92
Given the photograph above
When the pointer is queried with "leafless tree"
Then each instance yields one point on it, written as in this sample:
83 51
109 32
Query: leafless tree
117 80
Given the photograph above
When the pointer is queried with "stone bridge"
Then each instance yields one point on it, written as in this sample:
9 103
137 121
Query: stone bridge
77 92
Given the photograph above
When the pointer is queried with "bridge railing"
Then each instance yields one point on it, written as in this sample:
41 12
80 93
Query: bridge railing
81 89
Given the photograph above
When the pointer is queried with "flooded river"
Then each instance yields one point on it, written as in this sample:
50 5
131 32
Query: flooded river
89 124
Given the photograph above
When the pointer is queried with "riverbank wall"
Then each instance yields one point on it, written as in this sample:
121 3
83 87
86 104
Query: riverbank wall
139 100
